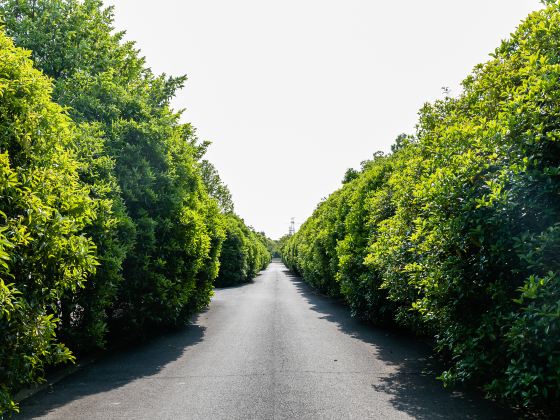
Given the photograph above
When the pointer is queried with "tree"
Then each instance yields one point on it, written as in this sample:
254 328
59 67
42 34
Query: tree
216 187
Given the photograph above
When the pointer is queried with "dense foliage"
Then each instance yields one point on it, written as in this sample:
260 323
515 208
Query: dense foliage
44 211
167 237
244 253
111 223
456 233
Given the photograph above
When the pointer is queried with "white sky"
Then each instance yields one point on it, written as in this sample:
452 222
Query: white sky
292 93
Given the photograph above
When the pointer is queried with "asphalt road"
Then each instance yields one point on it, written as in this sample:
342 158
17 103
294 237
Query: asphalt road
272 349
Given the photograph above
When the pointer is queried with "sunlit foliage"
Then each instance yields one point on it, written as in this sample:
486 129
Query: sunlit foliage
45 209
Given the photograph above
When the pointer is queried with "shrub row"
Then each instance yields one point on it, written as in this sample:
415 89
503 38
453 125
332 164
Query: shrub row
244 253
109 224
456 233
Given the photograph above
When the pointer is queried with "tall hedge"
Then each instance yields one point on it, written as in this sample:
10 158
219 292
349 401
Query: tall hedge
112 222
162 256
45 210
456 233
107 229
244 253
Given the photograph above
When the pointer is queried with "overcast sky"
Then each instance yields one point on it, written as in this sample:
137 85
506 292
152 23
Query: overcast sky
292 93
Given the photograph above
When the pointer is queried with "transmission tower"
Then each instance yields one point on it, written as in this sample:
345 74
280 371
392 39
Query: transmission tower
292 227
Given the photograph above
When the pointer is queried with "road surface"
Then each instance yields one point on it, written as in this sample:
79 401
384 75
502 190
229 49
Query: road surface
272 349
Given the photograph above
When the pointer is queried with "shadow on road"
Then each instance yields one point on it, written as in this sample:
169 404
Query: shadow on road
412 386
114 371
236 286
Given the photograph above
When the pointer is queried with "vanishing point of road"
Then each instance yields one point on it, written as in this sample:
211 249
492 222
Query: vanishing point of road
271 349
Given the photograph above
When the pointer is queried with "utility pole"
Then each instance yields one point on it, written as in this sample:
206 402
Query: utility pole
292 227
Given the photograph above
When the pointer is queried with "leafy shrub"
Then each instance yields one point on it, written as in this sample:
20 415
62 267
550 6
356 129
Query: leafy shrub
314 255
44 211
244 253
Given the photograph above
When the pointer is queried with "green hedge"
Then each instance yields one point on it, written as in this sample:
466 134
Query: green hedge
456 233
244 253
159 261
44 211
111 222
107 229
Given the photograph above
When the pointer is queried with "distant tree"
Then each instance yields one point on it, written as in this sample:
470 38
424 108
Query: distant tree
216 187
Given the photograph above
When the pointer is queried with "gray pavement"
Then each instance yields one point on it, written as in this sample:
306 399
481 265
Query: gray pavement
272 349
